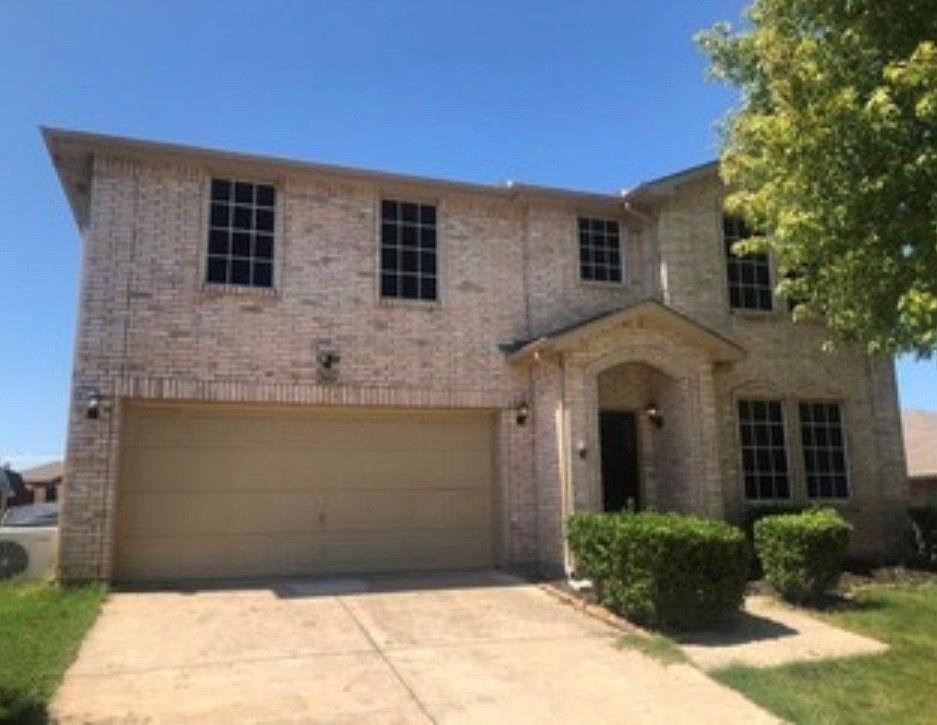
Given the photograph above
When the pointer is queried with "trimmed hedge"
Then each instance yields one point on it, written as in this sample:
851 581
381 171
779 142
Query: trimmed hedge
752 516
662 569
923 536
802 554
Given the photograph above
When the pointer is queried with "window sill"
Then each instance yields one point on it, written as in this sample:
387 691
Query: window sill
215 289
409 303
747 314
600 285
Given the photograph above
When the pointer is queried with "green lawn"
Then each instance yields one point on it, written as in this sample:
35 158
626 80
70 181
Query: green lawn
899 686
41 626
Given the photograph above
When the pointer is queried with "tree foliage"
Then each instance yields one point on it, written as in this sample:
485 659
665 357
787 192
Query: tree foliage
832 155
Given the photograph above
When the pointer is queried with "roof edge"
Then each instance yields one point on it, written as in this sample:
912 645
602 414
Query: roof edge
71 152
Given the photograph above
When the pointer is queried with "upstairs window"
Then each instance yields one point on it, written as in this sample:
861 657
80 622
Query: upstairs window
764 453
240 233
821 430
599 250
408 250
749 275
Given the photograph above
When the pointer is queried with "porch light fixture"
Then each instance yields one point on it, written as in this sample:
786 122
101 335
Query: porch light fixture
582 449
523 412
654 415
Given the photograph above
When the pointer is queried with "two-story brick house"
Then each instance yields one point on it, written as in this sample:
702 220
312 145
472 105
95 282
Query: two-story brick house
291 368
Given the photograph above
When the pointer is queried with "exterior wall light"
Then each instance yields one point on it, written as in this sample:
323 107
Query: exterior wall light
523 412
654 415
581 448
94 404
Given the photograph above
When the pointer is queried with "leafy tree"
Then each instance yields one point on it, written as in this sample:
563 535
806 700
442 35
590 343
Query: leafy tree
832 154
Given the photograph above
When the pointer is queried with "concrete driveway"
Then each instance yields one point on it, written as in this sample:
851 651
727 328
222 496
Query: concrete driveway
482 647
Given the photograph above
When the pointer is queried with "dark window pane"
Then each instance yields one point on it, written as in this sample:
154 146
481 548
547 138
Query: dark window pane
408 212
408 235
614 274
243 193
220 190
389 259
263 246
409 261
427 238
427 214
240 271
389 285
840 488
585 271
218 241
428 288
389 233
428 263
217 269
389 210
735 297
764 300
264 220
266 195
410 287
601 274
263 274
220 215
242 218
241 244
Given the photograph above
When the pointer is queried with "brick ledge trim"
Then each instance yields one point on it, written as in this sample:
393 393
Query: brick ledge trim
248 391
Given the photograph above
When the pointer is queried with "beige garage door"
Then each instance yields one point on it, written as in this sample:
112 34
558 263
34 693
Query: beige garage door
217 491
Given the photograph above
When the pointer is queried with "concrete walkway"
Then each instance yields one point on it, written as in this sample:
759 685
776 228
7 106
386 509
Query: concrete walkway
769 633
481 647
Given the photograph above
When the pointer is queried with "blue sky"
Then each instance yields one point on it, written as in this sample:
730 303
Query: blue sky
593 95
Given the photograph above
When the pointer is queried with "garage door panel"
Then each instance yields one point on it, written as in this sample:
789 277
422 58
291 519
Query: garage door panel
218 492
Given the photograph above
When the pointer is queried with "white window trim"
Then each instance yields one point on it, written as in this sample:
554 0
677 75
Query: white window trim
623 236
847 458
441 256
279 216
791 478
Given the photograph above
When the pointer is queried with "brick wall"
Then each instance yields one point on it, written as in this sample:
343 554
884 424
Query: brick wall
148 328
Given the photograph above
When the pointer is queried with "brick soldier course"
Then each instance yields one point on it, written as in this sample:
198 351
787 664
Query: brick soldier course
514 326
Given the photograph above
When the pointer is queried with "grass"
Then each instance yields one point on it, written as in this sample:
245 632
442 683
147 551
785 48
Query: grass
41 626
657 646
895 687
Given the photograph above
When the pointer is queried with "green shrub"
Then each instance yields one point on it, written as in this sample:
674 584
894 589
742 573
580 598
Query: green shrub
662 569
923 538
752 516
802 554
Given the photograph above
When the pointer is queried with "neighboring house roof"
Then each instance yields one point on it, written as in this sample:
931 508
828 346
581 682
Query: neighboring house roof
73 152
46 473
721 347
920 441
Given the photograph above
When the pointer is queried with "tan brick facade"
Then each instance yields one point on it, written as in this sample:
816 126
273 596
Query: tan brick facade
149 328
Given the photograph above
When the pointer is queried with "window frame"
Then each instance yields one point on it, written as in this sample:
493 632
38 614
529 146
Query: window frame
788 460
623 236
203 283
847 468
402 197
727 256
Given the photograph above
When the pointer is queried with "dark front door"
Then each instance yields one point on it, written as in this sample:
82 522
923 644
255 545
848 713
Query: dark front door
620 486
